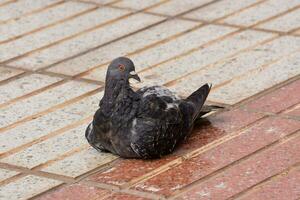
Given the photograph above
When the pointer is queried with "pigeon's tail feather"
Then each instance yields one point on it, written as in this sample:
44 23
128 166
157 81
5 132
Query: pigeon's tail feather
209 108
198 98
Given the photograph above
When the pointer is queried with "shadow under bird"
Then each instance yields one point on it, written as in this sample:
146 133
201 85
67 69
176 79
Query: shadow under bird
147 123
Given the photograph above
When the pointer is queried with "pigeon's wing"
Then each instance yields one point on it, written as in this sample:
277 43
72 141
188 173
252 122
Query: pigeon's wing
158 126
197 99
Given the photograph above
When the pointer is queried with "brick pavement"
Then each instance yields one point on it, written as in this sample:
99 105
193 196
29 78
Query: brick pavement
53 59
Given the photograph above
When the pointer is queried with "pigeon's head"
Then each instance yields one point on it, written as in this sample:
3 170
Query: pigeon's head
122 68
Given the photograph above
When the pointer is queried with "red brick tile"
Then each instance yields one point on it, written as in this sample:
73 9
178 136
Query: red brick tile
278 100
247 173
74 192
252 139
215 127
125 170
120 196
286 187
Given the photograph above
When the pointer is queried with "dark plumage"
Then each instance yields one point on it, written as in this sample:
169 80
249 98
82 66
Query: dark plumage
148 123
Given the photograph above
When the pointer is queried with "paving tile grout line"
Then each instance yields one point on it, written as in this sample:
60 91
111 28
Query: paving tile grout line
36 196
254 28
51 109
33 12
27 171
290 108
264 66
270 114
8 2
294 31
96 3
276 16
191 186
255 187
123 190
42 28
10 79
11 179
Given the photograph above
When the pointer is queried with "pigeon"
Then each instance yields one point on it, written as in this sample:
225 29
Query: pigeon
144 124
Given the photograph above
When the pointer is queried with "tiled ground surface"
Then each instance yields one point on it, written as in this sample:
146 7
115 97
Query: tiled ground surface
53 58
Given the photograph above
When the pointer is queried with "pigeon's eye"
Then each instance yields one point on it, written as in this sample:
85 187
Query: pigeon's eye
121 67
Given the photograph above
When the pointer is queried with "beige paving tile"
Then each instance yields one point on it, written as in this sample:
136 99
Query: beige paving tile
284 23
137 4
80 163
49 149
5 174
122 47
26 187
4 1
170 49
58 32
258 81
176 68
25 85
84 42
237 65
36 21
19 8
6 73
99 1
261 12
219 9
43 101
178 6
48 123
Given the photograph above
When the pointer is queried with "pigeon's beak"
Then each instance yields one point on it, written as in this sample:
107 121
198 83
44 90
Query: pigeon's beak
134 75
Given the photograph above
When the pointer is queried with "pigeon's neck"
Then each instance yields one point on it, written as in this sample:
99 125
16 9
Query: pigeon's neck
115 92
